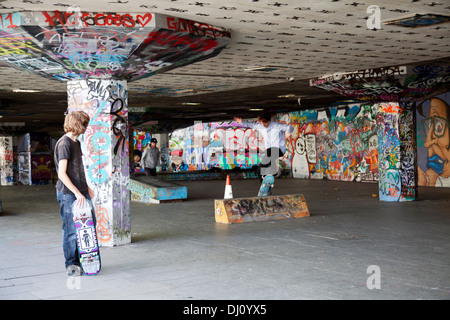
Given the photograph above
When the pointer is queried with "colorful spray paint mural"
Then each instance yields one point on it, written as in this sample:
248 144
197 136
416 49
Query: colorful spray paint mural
141 139
336 143
433 141
223 145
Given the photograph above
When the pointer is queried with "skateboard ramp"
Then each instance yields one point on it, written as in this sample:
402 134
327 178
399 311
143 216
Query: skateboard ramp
148 189
238 210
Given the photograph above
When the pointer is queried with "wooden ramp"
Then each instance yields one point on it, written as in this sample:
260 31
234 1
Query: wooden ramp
238 210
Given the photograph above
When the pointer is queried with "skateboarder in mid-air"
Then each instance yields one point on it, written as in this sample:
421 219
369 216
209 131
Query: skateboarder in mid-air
275 136
71 185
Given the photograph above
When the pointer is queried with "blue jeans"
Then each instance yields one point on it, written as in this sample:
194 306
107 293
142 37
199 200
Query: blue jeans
70 247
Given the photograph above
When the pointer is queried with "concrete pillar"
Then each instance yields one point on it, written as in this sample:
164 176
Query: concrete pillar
106 153
396 152
24 159
163 142
6 161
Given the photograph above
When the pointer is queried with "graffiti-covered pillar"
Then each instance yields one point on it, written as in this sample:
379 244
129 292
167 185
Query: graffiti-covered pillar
396 152
6 161
105 153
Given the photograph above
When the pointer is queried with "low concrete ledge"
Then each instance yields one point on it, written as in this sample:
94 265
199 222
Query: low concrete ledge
238 210
153 190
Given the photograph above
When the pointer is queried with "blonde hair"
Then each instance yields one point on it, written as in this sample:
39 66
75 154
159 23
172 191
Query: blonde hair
76 122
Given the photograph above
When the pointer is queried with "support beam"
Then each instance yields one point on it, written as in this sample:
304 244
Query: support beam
105 153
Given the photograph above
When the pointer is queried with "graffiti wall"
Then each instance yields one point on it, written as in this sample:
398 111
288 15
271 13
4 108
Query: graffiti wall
433 141
105 153
336 143
6 161
141 139
224 145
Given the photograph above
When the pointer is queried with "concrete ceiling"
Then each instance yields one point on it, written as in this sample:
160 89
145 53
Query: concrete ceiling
293 40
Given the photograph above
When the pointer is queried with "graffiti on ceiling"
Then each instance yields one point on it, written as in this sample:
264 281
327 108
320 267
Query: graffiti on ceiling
399 83
75 45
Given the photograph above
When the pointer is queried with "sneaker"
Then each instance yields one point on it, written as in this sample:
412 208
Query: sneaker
73 271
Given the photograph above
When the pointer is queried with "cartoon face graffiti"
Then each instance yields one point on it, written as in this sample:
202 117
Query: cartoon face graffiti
300 168
437 141
300 147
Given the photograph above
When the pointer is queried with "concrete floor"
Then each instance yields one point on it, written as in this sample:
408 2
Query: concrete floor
179 252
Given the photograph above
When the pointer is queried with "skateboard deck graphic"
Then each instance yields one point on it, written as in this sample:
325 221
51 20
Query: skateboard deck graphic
266 186
88 250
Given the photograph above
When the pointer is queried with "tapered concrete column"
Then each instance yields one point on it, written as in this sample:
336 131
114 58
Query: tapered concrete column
105 154
396 152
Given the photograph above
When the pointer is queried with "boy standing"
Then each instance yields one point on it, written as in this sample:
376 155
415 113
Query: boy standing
150 158
71 185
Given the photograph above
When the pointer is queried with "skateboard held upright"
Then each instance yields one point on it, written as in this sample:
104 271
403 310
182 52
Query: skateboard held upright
266 186
88 250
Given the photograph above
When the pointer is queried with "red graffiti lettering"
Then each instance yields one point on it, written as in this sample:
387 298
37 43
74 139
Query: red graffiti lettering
8 17
195 28
100 19
166 38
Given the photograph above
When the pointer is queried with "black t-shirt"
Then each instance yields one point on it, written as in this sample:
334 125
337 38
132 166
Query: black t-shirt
66 148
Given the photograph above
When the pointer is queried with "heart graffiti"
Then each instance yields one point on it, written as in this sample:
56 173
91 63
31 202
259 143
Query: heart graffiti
143 20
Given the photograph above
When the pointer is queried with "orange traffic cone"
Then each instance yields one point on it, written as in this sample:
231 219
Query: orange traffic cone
228 190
